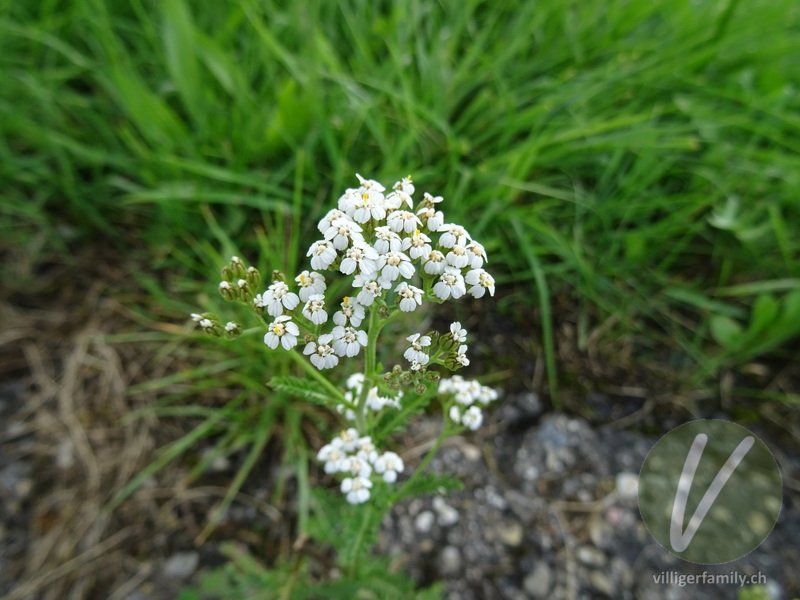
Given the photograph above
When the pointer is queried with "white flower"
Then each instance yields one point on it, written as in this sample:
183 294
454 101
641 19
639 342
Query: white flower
461 356
352 313
370 289
480 281
393 264
387 240
321 353
310 283
416 365
368 205
365 449
459 334
472 418
343 232
322 254
404 185
402 220
370 184
410 296
355 381
477 255
464 397
486 395
357 465
282 331
277 297
347 341
389 465
453 234
197 318
432 218
327 221
450 283
415 352
377 402
314 310
357 489
206 323
458 257
346 201
333 456
231 327
349 438
455 414
397 199
362 256
419 245
429 200
435 263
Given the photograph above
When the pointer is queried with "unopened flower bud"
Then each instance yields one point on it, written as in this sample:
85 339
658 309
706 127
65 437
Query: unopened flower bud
406 379
228 291
245 295
383 312
237 267
253 277
394 385
434 335
448 343
420 389
310 338
387 377
232 329
227 274
278 276
433 376
397 369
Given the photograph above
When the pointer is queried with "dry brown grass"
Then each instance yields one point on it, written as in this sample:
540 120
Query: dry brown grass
83 451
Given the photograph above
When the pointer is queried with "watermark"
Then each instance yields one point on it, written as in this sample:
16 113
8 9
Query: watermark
710 491
706 578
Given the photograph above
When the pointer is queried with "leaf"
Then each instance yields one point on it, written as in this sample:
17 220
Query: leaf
726 331
429 484
765 311
300 388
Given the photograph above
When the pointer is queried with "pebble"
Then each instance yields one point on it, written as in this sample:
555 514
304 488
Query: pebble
451 560
447 515
510 533
590 556
537 583
181 565
424 521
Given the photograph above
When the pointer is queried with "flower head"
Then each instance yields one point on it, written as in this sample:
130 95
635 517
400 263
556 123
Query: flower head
389 465
415 351
481 282
450 283
321 353
282 331
352 313
310 283
347 341
409 296
277 297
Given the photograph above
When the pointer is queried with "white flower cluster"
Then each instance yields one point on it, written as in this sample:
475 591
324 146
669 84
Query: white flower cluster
358 459
468 395
386 244
374 401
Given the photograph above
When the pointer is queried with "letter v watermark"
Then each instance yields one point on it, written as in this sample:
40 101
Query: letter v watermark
680 540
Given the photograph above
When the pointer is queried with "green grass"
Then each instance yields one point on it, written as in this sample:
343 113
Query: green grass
637 158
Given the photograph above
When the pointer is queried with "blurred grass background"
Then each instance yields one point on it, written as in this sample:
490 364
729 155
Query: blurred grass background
634 161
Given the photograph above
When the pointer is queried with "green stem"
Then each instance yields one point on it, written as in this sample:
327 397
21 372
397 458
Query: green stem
315 374
374 327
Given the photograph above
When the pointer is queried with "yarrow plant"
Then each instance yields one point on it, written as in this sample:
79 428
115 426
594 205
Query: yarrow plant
395 254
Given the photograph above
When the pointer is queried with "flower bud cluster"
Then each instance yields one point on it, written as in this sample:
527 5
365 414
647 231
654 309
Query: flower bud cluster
467 398
209 323
357 458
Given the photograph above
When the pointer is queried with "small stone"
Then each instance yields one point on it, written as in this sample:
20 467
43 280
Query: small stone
424 521
451 560
590 556
447 514
510 533
602 583
181 565
627 485
601 532
537 583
